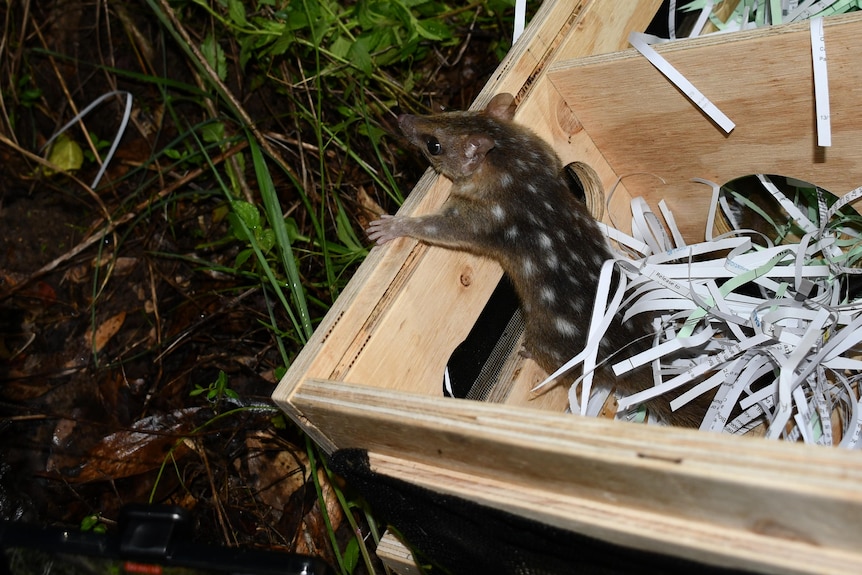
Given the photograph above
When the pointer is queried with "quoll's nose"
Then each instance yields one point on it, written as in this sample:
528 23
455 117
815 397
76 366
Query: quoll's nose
405 122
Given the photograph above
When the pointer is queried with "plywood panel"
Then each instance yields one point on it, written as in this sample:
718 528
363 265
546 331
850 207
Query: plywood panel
762 80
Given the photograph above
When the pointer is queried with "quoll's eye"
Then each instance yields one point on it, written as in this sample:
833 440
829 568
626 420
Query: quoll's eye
434 146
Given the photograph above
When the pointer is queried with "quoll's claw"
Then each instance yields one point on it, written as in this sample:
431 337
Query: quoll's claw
382 230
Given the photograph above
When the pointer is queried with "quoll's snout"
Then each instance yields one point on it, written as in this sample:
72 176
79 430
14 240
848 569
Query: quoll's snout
407 123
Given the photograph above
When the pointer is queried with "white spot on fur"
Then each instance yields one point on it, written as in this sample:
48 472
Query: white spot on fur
512 232
553 261
529 267
506 180
565 327
545 241
498 212
547 294
532 188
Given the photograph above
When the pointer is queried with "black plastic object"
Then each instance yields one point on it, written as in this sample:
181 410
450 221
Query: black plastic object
148 535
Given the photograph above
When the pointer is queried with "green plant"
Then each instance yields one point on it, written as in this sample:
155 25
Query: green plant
93 523
337 69
216 391
261 150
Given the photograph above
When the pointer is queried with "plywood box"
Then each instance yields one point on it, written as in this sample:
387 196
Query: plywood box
371 375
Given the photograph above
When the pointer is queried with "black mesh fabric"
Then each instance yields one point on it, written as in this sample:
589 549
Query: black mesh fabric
457 536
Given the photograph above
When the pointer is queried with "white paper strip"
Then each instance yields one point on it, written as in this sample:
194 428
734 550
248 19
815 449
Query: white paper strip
821 83
520 19
681 82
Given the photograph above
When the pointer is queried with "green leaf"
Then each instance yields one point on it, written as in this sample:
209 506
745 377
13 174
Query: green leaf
319 22
372 132
344 230
66 154
292 229
279 421
248 213
340 48
266 239
248 45
236 12
360 57
242 257
215 56
433 30
174 154
221 381
351 555
283 42
213 132
89 522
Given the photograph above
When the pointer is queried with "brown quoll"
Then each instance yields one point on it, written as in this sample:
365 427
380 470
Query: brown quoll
511 202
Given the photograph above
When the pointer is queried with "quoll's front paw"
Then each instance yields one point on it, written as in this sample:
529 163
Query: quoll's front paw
385 229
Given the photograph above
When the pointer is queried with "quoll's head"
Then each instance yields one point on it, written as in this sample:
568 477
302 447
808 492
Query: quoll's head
457 143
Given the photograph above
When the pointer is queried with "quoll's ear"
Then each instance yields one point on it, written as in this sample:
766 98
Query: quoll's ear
475 148
501 106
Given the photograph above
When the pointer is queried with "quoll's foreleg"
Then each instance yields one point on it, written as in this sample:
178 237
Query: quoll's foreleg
427 228
451 228
385 229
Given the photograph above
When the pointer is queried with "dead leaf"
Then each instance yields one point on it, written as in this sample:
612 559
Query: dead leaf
276 470
124 265
371 209
45 292
77 274
19 388
137 450
105 331
314 530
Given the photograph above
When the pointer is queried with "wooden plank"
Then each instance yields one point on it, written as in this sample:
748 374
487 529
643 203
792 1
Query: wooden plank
761 79
680 491
396 556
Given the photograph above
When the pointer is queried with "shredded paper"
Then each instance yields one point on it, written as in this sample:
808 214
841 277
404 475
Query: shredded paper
772 329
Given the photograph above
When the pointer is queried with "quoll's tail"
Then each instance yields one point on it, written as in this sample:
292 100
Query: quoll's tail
634 337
